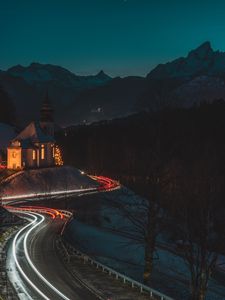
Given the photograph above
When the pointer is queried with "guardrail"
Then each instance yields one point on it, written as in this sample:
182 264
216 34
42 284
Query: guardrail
124 278
66 213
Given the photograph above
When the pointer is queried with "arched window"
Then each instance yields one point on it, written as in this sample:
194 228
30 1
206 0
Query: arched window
53 151
42 152
34 154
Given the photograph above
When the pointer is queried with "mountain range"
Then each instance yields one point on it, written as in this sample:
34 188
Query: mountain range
200 76
27 87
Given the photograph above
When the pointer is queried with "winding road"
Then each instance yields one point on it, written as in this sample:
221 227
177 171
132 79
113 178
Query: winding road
34 267
40 274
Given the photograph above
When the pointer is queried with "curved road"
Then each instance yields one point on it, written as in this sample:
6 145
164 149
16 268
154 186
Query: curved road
104 184
34 267
40 272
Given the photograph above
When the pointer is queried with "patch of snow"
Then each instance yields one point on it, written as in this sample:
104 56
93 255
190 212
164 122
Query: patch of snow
47 180
34 132
110 245
202 88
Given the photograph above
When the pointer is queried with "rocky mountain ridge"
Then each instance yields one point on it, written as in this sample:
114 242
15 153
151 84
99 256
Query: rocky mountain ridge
200 76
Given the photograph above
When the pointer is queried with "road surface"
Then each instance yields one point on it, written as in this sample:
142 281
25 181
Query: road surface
35 268
104 184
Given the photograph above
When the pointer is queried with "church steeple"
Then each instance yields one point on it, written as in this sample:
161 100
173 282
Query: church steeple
46 116
46 110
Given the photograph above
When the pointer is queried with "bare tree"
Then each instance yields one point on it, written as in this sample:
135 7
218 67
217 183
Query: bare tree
150 182
143 220
195 218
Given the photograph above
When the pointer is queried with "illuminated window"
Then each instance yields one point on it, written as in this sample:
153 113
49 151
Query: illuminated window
58 156
42 152
14 154
34 154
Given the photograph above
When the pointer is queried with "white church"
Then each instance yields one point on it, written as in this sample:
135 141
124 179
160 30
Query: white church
34 147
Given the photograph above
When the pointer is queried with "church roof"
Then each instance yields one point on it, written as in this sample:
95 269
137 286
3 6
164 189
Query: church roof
33 134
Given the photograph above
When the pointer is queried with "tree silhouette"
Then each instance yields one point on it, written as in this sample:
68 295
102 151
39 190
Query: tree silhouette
7 109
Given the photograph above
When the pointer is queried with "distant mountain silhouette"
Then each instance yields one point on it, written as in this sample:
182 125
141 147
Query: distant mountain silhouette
183 82
27 86
200 76
36 72
201 61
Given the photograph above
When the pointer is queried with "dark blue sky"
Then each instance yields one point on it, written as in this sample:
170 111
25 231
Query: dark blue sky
122 37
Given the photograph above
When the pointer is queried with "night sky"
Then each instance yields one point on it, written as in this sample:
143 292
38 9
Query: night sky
122 37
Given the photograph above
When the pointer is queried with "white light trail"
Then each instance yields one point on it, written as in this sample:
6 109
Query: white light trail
14 248
33 224
56 193
31 263
107 185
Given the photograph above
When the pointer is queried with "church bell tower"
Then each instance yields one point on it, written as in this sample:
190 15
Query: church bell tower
46 117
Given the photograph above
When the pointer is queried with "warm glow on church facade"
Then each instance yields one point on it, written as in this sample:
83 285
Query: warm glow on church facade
58 156
35 146
14 155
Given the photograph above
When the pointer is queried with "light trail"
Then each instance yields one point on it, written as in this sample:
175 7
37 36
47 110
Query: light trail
50 211
33 224
105 184
31 263
14 248
56 193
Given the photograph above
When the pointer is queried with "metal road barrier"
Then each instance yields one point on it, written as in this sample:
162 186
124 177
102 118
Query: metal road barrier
66 213
125 279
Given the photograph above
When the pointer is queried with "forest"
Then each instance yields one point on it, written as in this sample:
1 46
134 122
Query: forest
175 158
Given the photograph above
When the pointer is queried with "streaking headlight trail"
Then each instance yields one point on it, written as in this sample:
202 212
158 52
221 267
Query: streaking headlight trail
26 231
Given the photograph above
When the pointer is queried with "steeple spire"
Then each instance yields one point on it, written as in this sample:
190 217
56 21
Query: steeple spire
46 110
46 116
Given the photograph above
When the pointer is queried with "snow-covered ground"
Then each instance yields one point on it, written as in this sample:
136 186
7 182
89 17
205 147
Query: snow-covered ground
47 180
7 218
121 252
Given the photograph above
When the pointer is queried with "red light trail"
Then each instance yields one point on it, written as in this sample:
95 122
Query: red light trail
37 214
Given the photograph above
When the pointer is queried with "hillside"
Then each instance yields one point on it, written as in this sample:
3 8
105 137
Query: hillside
7 218
46 181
